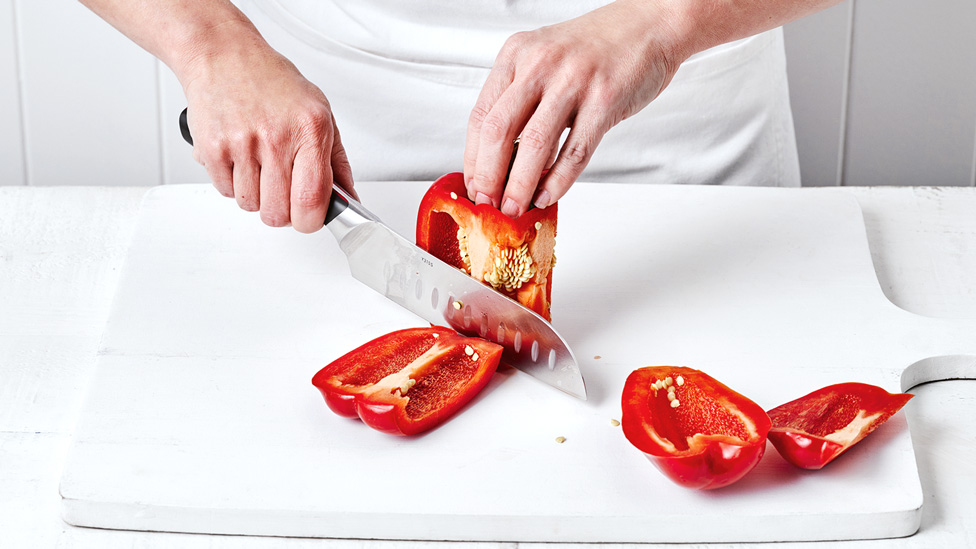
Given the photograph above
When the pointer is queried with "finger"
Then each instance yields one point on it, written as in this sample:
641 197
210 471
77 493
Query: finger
341 169
247 183
499 79
275 193
498 132
538 144
311 187
573 156
221 173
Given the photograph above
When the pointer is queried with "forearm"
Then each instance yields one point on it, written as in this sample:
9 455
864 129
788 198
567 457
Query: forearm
697 25
183 34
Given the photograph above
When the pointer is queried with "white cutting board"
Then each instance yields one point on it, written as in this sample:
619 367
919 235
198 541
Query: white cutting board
202 418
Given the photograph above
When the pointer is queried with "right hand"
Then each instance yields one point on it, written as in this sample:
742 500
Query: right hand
265 134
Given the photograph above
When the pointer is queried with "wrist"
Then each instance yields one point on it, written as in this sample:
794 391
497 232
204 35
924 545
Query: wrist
200 49
661 30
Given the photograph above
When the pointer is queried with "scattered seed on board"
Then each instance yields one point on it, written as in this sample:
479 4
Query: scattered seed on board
615 423
560 440
597 357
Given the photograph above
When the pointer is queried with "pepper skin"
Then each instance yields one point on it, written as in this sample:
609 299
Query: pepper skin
408 381
514 256
710 439
813 430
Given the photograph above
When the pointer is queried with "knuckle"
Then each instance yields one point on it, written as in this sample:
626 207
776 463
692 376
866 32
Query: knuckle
513 44
214 149
605 96
577 153
310 197
534 139
494 127
316 123
267 134
520 186
482 182
479 113
238 143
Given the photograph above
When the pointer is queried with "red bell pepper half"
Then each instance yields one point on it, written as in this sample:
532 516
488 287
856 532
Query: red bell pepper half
408 381
697 431
514 256
811 431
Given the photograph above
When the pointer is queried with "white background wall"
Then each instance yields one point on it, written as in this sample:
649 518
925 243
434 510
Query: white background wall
883 91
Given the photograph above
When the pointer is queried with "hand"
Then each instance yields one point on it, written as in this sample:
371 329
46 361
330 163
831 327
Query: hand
266 135
586 74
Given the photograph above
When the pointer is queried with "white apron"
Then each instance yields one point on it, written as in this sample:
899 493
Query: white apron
403 75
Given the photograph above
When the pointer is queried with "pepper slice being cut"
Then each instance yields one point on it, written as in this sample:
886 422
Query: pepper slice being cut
514 256
408 381
813 430
698 432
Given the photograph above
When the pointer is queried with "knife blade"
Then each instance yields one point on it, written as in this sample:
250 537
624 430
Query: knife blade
413 278
442 295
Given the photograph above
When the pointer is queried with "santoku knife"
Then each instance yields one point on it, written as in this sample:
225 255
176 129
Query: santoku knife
445 296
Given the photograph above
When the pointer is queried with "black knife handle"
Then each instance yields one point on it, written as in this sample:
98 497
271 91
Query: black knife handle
337 202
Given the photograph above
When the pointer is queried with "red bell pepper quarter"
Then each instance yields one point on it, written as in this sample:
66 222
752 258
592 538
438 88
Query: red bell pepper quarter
408 381
698 432
514 256
811 431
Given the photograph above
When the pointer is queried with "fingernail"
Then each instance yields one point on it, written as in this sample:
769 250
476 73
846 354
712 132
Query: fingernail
482 198
543 200
510 208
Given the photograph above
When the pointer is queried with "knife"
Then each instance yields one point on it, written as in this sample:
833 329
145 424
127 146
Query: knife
444 296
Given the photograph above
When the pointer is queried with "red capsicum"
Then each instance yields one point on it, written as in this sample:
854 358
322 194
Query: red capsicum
813 430
698 432
514 256
408 381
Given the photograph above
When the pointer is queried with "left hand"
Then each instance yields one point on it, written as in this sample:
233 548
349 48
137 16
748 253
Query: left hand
586 74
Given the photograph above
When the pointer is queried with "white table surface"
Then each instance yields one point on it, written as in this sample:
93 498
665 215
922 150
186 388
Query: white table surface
61 250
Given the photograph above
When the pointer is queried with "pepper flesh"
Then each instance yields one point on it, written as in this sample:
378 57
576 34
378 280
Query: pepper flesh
813 430
408 381
514 256
711 438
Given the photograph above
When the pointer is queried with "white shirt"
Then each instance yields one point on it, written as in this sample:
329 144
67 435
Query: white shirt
403 75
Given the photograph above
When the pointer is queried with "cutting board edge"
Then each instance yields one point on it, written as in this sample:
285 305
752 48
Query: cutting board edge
478 528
